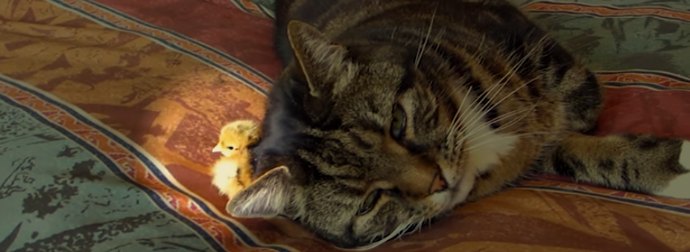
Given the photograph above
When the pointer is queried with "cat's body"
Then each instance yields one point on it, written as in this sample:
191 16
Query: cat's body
233 171
392 112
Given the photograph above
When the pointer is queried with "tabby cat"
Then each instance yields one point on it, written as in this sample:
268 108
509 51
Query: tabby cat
391 112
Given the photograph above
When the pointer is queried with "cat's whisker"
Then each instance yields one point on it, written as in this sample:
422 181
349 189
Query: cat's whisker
373 238
395 30
479 58
456 122
412 226
405 230
483 143
528 55
460 122
396 233
423 43
501 118
479 51
480 144
509 95
523 112
489 94
511 72
417 228
501 83
423 222
474 122
477 140
512 113
506 125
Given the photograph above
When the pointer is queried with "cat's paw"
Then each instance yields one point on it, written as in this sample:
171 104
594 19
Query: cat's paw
679 187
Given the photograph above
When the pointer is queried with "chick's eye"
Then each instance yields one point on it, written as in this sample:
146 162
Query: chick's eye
231 147
398 122
370 202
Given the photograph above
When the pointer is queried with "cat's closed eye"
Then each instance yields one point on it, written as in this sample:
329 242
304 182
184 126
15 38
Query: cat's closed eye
370 202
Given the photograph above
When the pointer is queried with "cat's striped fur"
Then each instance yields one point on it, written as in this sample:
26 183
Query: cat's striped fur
391 112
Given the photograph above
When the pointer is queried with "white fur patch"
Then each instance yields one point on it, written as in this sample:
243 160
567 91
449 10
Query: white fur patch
482 157
489 149
679 187
483 148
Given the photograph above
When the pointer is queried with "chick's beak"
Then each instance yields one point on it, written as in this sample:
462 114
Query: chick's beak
217 148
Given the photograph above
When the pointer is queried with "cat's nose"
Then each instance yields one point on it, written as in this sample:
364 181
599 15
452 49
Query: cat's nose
419 179
438 184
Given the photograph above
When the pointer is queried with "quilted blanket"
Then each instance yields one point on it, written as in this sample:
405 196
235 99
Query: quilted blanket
109 110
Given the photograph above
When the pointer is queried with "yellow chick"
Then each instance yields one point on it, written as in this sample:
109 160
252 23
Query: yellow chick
233 172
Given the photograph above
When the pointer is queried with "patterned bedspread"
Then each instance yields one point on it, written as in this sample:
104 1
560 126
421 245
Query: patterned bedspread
109 110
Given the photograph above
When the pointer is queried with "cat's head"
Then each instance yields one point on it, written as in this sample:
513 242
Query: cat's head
364 140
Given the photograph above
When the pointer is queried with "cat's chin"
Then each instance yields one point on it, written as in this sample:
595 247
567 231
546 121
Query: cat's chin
459 184
442 202
460 190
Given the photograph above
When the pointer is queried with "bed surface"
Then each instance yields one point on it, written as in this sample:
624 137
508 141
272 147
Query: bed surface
109 110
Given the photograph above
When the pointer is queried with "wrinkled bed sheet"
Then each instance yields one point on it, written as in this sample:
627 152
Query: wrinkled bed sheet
109 110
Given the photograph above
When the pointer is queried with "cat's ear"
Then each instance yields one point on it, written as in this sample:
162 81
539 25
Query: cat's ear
266 197
323 64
